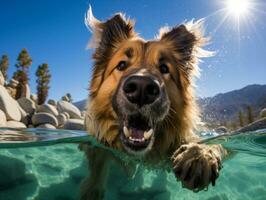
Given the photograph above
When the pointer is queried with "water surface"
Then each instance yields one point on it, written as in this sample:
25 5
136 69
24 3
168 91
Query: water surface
40 164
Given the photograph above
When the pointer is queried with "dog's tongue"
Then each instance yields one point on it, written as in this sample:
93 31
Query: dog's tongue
136 133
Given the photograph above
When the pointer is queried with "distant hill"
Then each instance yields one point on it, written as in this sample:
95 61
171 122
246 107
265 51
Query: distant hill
81 104
224 107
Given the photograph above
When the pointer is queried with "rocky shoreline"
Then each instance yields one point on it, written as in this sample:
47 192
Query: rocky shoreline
26 113
259 124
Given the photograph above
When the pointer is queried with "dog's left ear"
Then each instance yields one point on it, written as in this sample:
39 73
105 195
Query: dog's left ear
187 40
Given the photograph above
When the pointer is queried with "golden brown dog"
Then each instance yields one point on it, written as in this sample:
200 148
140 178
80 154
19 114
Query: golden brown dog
142 101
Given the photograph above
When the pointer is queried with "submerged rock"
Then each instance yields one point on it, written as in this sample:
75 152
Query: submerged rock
57 191
44 118
27 104
73 111
47 108
15 183
8 105
11 172
74 124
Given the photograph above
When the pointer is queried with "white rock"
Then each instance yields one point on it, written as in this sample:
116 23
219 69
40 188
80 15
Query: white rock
22 112
27 104
221 129
74 124
33 97
2 119
15 124
25 118
27 91
13 83
47 108
49 126
263 113
83 113
44 118
61 118
52 102
73 111
66 114
9 105
2 79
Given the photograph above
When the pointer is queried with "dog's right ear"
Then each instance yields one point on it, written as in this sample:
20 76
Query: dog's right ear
107 37
109 34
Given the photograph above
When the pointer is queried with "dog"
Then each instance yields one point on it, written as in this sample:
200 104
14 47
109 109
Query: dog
142 101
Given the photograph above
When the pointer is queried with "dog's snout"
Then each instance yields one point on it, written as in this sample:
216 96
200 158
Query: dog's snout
141 90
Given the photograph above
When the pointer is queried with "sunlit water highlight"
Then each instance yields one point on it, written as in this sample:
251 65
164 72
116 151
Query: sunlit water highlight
44 164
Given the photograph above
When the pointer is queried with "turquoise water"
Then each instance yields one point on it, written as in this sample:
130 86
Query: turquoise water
39 164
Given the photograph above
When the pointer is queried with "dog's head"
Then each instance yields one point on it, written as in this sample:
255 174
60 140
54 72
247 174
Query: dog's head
141 92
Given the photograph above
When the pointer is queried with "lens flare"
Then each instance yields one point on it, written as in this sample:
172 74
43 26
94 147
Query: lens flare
238 8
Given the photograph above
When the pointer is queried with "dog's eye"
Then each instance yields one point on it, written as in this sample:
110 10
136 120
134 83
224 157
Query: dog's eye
122 65
164 69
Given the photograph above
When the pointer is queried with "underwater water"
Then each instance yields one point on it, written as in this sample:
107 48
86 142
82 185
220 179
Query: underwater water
41 164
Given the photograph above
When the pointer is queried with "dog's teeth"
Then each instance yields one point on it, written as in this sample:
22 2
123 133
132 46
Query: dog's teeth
135 139
148 134
126 131
132 139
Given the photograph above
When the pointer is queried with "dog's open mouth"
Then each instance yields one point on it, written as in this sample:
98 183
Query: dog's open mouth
138 133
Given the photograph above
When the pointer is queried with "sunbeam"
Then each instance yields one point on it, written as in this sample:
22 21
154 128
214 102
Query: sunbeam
238 8
239 12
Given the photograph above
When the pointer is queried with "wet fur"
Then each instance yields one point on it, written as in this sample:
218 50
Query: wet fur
115 40
118 36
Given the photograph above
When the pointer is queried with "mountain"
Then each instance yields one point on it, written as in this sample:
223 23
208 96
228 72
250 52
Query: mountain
225 107
81 104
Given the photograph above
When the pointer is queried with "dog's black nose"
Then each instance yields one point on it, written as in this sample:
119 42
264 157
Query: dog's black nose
141 90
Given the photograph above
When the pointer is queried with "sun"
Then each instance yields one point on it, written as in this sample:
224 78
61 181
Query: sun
238 8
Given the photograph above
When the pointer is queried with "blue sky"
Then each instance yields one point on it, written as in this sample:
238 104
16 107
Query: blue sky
53 31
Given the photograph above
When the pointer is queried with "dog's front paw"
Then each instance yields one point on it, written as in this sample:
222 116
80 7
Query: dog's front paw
196 165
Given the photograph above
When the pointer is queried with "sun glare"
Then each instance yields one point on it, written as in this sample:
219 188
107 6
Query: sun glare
238 8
